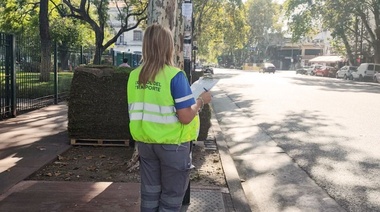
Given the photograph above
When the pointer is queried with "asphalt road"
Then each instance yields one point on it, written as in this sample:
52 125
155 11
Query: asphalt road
329 127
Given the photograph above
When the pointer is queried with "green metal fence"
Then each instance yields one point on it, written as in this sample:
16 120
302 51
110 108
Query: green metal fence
133 59
21 87
7 88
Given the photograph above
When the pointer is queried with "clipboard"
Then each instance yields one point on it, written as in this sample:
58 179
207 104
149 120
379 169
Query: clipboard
202 84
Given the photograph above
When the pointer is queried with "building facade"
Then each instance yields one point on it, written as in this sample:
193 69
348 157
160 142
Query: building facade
288 55
128 42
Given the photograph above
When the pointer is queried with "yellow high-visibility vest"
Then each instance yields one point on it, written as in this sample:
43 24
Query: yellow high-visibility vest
152 114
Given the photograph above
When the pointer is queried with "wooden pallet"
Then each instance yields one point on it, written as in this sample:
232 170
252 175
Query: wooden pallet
99 142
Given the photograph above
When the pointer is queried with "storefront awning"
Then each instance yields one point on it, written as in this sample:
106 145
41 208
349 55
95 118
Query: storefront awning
326 59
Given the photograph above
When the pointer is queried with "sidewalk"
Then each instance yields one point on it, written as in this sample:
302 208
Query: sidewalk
33 140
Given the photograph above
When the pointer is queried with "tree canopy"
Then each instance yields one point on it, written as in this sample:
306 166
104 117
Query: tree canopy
228 30
346 19
96 15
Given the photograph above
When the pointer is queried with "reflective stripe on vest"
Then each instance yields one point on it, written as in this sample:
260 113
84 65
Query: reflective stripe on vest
153 118
151 107
152 113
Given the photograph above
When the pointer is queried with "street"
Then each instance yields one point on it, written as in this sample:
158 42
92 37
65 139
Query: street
328 127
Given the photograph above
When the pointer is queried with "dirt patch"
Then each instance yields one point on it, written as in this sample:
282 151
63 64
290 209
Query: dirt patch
109 164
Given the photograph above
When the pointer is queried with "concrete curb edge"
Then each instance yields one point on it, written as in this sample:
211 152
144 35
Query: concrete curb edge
239 200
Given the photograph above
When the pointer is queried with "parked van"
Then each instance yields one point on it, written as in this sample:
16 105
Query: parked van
366 71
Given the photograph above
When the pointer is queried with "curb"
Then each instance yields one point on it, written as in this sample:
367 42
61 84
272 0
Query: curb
239 200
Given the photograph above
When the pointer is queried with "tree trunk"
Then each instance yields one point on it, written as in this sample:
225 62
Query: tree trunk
179 36
98 53
99 48
45 42
97 56
169 14
376 45
64 58
377 52
351 58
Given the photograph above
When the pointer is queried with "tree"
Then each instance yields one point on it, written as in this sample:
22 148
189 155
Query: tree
225 31
45 41
341 24
23 19
69 34
236 33
263 21
369 13
16 14
209 36
95 13
169 14
337 16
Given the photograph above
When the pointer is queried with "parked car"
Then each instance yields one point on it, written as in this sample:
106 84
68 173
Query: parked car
376 77
267 67
332 71
311 70
325 71
208 70
303 70
353 72
198 68
345 72
366 71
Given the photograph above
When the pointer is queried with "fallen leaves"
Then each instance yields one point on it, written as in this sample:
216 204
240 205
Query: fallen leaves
42 148
96 164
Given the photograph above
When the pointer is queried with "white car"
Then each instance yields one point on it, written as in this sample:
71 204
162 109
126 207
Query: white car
376 77
345 72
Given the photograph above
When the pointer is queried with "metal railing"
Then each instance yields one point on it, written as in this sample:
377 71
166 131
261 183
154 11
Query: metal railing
24 86
21 86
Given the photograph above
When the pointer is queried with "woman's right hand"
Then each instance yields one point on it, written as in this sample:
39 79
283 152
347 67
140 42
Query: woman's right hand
206 96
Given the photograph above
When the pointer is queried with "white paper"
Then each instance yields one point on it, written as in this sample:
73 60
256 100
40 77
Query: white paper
187 10
201 85
187 51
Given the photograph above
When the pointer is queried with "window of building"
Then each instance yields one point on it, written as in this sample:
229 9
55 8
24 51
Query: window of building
313 51
120 41
137 35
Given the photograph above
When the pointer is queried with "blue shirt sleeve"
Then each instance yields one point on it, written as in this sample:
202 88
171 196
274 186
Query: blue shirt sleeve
181 91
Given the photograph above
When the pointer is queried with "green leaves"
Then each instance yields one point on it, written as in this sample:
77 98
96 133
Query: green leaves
220 27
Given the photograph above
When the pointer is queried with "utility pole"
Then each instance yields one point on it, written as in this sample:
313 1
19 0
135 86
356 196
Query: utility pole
187 12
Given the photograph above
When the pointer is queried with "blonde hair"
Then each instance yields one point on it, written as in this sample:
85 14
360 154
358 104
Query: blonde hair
157 51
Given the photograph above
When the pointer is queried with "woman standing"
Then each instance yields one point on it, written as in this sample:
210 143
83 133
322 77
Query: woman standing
163 120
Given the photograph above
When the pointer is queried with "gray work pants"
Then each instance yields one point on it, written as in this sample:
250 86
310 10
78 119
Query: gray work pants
165 173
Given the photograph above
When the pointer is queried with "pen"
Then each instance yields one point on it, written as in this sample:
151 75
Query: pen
206 91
